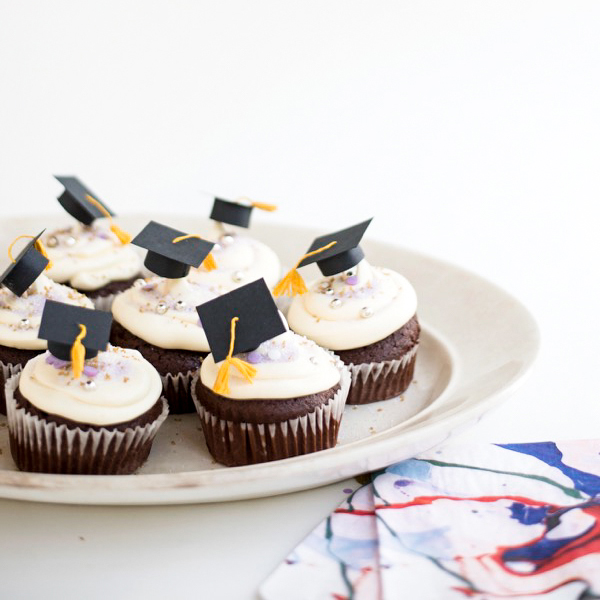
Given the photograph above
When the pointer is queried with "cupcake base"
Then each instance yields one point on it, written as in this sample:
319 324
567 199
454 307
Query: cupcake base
176 367
12 360
45 443
385 369
244 432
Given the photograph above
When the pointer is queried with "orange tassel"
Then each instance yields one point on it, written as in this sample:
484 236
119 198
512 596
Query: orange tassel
209 263
292 283
264 206
247 371
38 246
122 235
78 353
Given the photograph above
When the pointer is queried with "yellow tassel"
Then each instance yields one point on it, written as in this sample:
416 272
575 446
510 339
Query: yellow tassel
38 246
122 236
247 371
264 206
78 353
292 283
209 262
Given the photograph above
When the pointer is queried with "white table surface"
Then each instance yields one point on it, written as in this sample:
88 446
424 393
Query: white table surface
470 129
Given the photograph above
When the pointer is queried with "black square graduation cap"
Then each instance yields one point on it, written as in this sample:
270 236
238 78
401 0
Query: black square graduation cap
234 213
60 326
25 269
169 259
343 255
74 201
259 319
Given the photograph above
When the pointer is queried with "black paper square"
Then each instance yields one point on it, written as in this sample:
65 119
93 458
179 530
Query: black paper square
259 319
74 200
28 266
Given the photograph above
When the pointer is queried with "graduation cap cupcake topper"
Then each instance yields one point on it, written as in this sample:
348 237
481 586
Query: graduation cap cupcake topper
333 253
171 252
27 266
239 322
74 333
237 213
82 204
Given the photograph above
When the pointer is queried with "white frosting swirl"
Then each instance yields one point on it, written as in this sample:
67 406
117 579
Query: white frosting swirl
90 257
20 316
340 315
124 387
240 259
163 312
288 366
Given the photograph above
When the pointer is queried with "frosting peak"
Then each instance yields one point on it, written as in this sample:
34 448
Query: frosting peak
20 316
89 257
354 309
118 385
287 366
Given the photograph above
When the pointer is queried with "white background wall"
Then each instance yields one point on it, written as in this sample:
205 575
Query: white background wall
470 129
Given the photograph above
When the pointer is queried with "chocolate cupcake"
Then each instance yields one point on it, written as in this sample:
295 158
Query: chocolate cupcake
239 258
82 407
157 316
365 314
264 393
93 255
24 291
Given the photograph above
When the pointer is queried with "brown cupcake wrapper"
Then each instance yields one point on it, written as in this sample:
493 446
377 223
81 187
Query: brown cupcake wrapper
237 443
7 370
42 446
372 382
177 390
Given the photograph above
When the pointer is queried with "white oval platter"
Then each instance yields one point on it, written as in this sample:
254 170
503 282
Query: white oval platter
477 344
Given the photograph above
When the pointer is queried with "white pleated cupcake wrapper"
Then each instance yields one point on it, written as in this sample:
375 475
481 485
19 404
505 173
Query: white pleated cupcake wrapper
318 420
384 368
178 380
30 429
104 302
8 370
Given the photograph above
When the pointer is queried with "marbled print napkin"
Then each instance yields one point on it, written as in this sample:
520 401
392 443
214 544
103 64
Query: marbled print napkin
469 522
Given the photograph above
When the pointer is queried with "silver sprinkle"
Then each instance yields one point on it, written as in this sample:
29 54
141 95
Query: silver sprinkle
350 272
226 240
237 276
366 312
52 242
89 385
70 241
139 283
161 308
329 291
180 305
335 303
24 323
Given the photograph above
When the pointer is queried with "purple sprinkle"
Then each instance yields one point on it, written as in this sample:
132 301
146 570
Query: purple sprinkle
402 483
102 235
90 371
352 280
348 490
255 357
56 362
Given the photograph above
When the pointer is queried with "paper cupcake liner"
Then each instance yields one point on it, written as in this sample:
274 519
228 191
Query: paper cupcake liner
43 446
237 443
7 370
372 382
104 302
177 391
